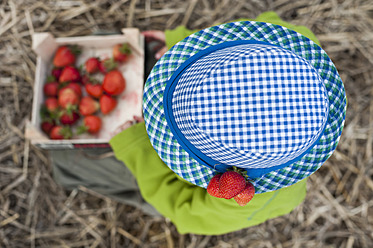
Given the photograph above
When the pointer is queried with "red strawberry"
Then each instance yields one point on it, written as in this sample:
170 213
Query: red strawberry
121 52
68 118
88 106
213 187
107 65
60 132
107 104
65 55
68 74
51 103
246 195
94 90
51 89
47 126
85 79
231 183
114 83
68 98
91 124
92 65
56 73
75 87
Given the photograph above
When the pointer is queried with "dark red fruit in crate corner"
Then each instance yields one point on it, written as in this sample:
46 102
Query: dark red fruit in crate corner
56 73
46 126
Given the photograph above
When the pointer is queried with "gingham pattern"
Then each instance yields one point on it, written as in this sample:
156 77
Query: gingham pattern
241 107
179 160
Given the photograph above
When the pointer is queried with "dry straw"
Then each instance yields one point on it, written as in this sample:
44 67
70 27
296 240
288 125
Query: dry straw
35 212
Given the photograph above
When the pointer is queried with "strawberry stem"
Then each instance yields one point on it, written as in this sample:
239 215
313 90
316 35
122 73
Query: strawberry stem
82 129
125 49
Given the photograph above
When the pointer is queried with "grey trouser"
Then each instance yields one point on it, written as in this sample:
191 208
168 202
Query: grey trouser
95 169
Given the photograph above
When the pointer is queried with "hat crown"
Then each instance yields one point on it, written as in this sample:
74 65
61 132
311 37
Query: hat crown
252 106
159 104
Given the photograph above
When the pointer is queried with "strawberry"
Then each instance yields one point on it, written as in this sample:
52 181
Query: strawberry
92 65
51 103
68 118
56 73
114 83
121 52
69 73
94 90
231 183
85 79
47 126
88 106
65 55
68 98
51 89
60 132
107 65
246 195
107 104
75 87
91 124
213 187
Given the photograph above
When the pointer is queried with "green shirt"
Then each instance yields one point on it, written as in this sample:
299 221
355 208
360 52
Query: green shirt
190 207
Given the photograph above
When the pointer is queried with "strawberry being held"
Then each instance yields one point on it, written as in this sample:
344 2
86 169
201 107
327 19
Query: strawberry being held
231 183
114 83
213 187
246 195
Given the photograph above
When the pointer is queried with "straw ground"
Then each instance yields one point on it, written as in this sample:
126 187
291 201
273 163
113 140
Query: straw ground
36 212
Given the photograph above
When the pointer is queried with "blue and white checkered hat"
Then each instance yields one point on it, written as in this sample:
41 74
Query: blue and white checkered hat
253 95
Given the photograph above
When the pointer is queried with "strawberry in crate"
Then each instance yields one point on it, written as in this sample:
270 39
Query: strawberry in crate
78 95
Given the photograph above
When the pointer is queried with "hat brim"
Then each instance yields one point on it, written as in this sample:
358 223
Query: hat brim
178 160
